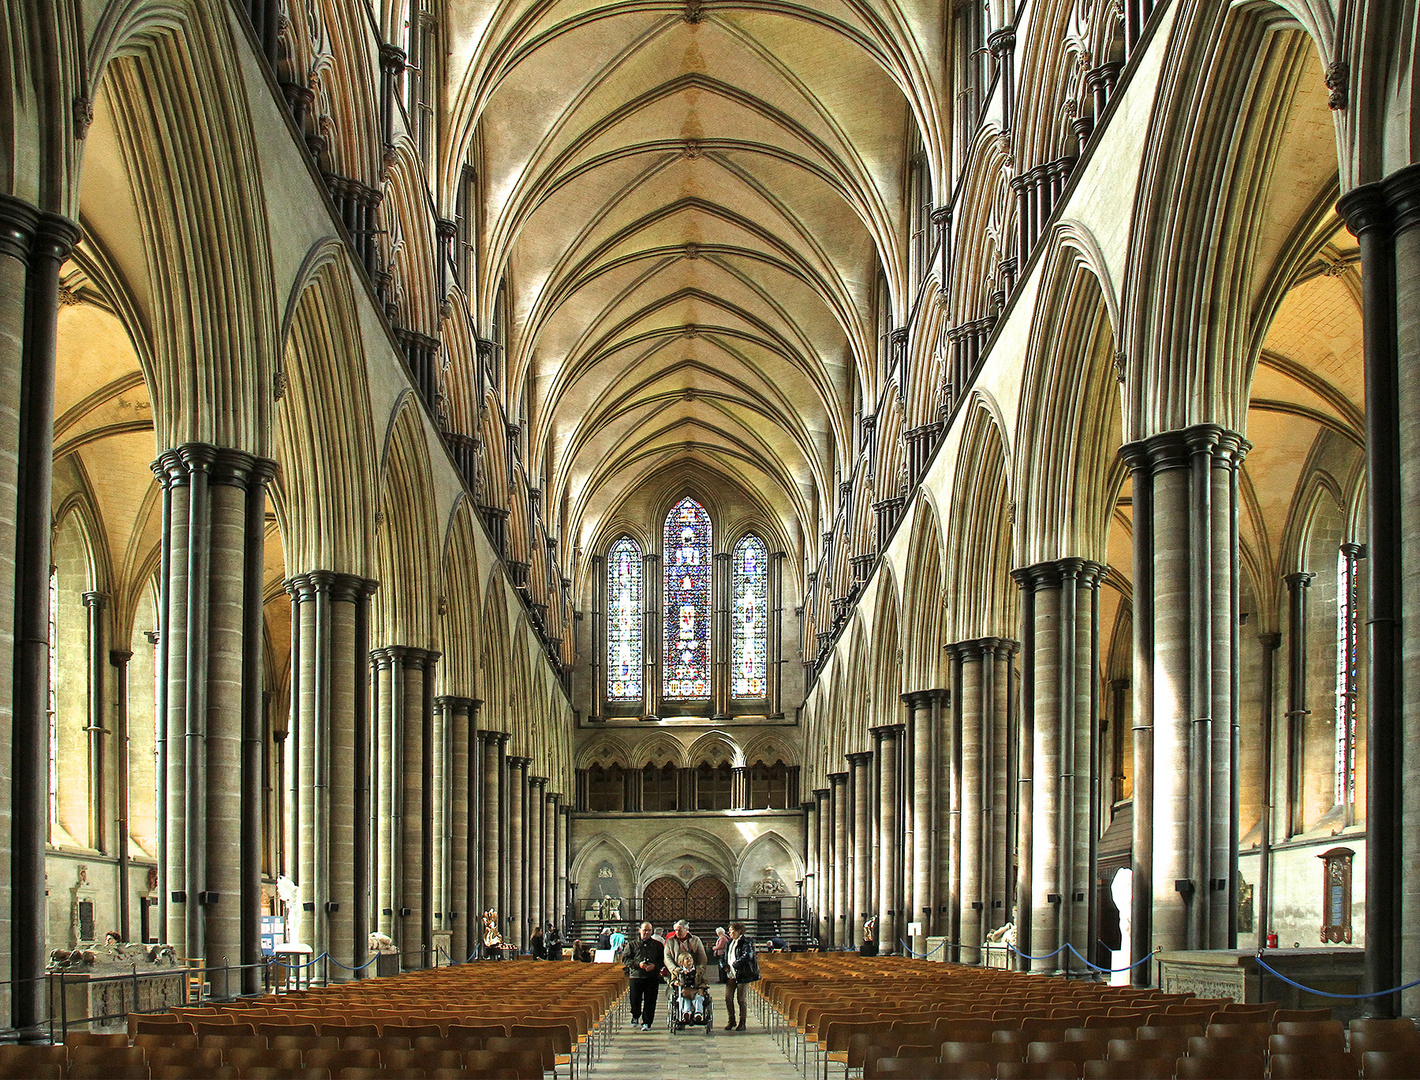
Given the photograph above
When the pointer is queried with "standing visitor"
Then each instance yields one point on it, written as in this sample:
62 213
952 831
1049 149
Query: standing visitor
722 942
744 969
645 958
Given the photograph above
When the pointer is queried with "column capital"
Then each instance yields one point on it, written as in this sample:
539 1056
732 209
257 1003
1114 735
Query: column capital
860 758
1298 580
884 732
455 704
808 805
119 657
822 793
1053 573
919 699
1270 640
18 223
838 779
495 739
392 59
519 762
95 600
537 781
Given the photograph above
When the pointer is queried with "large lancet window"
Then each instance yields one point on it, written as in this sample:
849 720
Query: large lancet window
749 633
687 602
623 621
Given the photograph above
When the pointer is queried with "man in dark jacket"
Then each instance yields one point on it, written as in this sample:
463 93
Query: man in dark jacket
644 958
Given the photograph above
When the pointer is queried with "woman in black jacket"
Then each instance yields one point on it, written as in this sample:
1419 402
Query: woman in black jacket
739 962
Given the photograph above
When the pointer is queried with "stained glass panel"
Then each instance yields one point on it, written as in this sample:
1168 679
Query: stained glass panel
687 597
749 632
623 621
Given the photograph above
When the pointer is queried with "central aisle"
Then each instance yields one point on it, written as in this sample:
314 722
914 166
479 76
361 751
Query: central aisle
636 1055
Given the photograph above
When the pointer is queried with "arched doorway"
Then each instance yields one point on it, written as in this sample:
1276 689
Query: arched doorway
665 901
708 900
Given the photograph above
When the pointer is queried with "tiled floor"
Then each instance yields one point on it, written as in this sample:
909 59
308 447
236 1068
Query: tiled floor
743 1055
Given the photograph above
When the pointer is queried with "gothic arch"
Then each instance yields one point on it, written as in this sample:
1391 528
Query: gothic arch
769 747
658 748
924 610
1070 430
201 227
324 440
406 543
980 534
460 605
691 842
1202 275
767 846
713 748
604 751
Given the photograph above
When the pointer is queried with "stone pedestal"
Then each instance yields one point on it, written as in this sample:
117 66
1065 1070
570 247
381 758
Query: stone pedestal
1234 973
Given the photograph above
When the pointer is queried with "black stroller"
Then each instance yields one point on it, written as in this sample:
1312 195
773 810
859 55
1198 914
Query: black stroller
688 1002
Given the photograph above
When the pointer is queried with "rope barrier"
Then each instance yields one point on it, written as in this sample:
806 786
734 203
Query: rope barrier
1111 971
1025 956
347 967
1325 993
907 950
298 967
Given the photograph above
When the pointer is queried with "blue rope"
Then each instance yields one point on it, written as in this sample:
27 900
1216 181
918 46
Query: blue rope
1323 993
920 956
347 967
1111 971
1047 956
296 967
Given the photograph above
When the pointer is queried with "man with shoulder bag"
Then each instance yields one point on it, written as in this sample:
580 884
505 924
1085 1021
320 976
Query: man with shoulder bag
743 969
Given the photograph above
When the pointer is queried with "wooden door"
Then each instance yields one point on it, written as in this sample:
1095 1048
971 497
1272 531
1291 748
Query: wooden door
665 902
708 900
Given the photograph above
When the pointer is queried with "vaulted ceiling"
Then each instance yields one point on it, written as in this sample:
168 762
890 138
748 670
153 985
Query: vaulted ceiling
690 204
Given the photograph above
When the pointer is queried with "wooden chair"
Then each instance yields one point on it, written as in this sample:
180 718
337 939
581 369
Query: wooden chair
271 1030
193 1058
188 1072
1260 1030
1145 1049
305 1042
264 1072
1328 1028
399 1061
562 1038
992 1053
1221 1067
94 1038
888 1068
963 1070
478 1031
1078 1052
1140 1069
379 1043
1388 1064
152 1040
1313 1065
1375 1024
1169 1031
341 1029
335 1060
412 1031
1283 1015
482 1065
248 1057
1038 1070
1321 1042
233 1042
519 1065
108 1070
1365 1042
223 1027
23 1061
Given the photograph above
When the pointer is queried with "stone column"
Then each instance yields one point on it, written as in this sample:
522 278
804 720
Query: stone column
651 634
439 749
886 744
860 784
462 813
739 787
1186 706
94 604
839 901
1385 218
516 864
33 245
811 862
550 811
720 638
775 650
973 779
329 613
1064 702
823 883
214 512
562 906
416 773
1297 711
118 659
999 827
921 771
494 824
949 879
537 845
387 677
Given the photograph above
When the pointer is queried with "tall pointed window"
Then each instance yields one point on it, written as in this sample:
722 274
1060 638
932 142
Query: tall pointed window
749 630
687 602
623 621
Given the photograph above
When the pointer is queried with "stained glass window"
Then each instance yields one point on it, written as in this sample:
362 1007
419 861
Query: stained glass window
623 621
687 622
749 632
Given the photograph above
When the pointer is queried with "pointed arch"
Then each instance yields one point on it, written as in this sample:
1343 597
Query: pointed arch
406 536
714 748
924 604
980 534
460 629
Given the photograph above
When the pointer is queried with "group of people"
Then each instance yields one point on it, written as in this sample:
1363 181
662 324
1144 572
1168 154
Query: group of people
648 960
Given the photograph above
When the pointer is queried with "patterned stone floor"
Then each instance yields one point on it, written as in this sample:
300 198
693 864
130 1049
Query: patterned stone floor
743 1055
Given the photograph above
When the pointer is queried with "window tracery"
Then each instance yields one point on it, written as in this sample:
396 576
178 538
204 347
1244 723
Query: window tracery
687 602
623 621
749 636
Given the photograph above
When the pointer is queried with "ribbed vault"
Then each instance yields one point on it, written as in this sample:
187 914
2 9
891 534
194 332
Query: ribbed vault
688 208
